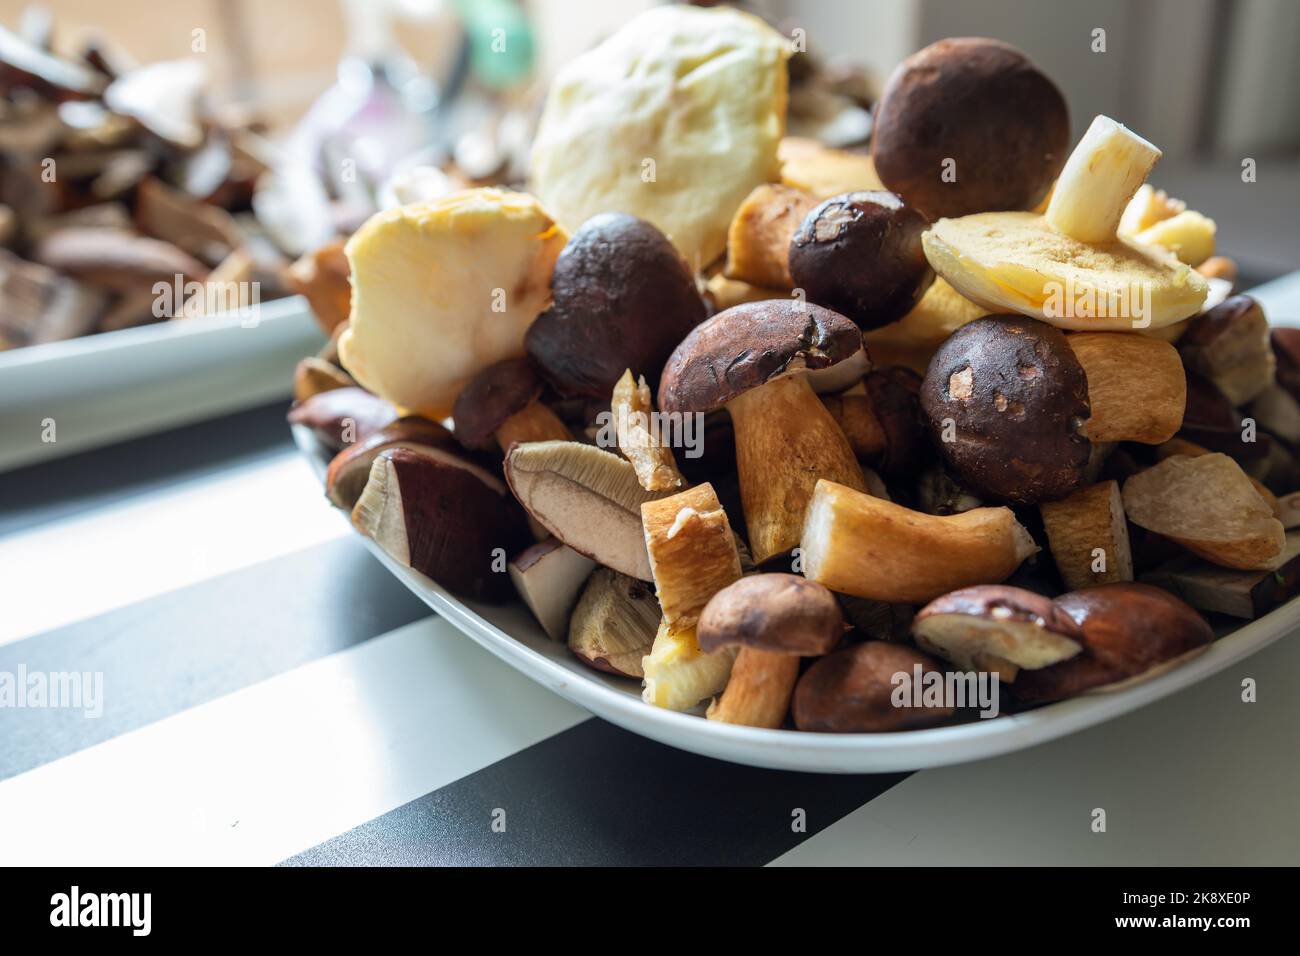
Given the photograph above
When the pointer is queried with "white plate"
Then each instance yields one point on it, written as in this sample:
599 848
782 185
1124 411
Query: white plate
106 388
511 633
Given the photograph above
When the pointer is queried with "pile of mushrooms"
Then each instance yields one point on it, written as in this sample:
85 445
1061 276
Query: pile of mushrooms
860 449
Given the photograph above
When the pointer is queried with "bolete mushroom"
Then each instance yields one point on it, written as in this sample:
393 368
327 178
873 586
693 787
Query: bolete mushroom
862 545
751 359
772 620
1068 266
1130 632
1230 346
502 403
856 690
990 626
623 299
1087 534
343 416
758 240
860 254
443 289
614 624
1137 389
1006 400
313 376
349 470
1207 504
968 125
439 516
640 441
548 576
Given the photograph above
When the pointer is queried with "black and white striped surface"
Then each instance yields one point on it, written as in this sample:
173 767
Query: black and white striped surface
272 695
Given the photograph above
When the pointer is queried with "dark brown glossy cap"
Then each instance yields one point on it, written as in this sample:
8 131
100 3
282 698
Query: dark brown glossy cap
1017 399
492 396
852 691
747 346
1205 329
349 469
982 104
780 613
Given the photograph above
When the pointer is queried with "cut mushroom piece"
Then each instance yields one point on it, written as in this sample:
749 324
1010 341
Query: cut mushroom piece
1181 446
772 620
758 241
548 576
1241 594
493 250
321 277
982 628
861 545
639 439
815 168
1068 266
588 498
623 298
1137 388
439 516
692 551
313 376
501 406
678 674
1148 207
1088 536
1005 399
941 312
750 358
1208 505
614 624
1188 235
1230 346
343 416
350 469
1130 632
856 690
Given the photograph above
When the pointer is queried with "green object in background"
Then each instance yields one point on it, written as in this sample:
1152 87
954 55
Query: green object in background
500 41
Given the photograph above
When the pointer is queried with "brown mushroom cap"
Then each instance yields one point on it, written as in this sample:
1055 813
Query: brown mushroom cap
860 254
979 626
492 396
1017 398
747 346
348 471
1210 421
895 401
779 613
852 691
1128 629
1204 329
623 299
982 104
327 414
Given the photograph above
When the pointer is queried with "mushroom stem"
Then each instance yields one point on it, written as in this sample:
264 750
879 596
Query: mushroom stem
1100 177
533 422
785 441
759 691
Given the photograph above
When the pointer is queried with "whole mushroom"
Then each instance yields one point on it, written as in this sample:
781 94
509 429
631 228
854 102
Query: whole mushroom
622 299
967 125
853 691
774 620
861 255
1006 401
752 358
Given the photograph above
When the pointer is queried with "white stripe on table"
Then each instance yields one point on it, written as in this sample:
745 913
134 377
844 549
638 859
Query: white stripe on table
90 563
278 767
1197 779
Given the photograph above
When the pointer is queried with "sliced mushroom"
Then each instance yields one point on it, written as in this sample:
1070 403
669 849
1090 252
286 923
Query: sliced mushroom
1005 399
1241 594
1230 346
501 405
772 620
322 277
343 416
1208 505
434 513
588 498
758 241
855 691
678 673
862 545
692 551
821 171
548 576
614 624
986 627
1130 632
750 358
938 314
312 376
1137 390
350 469
1088 536
639 440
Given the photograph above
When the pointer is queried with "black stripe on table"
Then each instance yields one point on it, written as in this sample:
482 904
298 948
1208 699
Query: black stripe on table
184 647
596 795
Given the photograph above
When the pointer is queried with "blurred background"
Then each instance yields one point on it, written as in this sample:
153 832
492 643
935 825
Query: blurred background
1210 81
